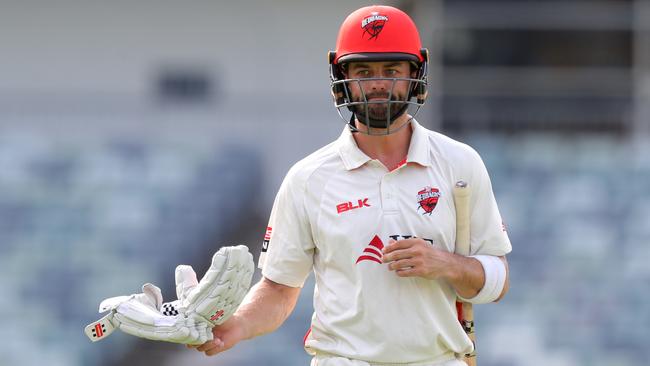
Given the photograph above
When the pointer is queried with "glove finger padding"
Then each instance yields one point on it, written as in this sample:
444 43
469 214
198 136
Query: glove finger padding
175 329
223 287
200 305
185 281
140 315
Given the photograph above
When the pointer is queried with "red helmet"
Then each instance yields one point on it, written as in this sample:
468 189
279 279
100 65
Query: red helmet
378 33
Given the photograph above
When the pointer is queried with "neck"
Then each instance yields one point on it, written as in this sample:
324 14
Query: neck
389 149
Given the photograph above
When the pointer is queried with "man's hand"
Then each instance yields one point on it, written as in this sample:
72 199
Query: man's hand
415 257
264 309
225 336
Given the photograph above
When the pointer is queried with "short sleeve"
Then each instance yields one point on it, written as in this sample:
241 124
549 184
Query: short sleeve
487 231
288 248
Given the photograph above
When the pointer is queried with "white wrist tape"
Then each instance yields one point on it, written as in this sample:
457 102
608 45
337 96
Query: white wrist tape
495 279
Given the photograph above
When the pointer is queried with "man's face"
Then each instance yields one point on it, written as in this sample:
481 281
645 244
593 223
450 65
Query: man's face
378 87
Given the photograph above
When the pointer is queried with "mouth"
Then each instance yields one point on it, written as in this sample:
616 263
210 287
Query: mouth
378 99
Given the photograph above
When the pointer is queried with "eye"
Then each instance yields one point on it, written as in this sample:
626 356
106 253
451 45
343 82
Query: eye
392 72
363 73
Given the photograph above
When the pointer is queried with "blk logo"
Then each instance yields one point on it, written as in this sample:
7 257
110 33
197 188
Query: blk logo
372 252
347 206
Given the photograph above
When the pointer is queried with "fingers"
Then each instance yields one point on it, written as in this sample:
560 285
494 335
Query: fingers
406 248
206 346
396 250
210 348
397 256
394 245
217 349
408 272
401 265
405 257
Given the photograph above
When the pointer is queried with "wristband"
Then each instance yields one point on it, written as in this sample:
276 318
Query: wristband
495 279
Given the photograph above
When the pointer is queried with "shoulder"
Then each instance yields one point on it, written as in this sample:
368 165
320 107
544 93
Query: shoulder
305 170
454 152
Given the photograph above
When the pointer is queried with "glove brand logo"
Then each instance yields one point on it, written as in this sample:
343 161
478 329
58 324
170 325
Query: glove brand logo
169 309
217 315
373 25
428 199
347 206
372 252
98 331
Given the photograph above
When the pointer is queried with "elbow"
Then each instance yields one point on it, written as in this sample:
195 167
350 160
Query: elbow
506 284
506 287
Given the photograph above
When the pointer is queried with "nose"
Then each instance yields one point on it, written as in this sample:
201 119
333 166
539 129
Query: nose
377 85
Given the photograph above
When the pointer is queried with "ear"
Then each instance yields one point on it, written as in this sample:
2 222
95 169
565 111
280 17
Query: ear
414 68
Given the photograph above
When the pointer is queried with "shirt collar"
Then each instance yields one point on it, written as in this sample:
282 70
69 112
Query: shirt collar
353 157
350 153
419 150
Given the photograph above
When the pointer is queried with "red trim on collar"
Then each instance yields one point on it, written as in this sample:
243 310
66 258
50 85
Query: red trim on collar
403 162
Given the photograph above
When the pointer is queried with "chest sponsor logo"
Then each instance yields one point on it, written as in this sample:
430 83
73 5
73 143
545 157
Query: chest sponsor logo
348 206
428 199
404 237
372 251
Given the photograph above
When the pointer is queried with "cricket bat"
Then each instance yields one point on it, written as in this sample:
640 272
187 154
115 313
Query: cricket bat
462 193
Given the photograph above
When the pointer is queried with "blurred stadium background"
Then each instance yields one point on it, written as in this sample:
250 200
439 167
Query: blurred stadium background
138 135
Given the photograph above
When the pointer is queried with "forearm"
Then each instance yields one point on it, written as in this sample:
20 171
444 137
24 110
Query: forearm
467 276
266 307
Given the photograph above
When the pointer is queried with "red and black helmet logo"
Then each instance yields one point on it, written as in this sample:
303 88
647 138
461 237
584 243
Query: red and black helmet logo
373 25
428 199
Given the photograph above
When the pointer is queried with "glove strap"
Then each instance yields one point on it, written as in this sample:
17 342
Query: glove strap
100 329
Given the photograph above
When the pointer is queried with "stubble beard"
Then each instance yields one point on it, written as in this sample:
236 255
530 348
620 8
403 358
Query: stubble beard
378 110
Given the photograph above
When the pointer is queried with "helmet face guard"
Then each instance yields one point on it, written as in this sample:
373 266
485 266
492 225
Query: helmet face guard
378 34
378 110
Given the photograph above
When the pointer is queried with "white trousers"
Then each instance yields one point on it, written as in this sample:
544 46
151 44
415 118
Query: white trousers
326 360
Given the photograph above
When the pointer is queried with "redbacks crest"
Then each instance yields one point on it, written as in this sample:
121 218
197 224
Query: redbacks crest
373 24
428 199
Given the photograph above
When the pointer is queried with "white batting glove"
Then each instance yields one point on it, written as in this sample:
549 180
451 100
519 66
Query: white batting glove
220 291
188 320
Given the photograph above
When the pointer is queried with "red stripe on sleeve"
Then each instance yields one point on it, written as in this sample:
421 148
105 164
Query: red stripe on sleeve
304 339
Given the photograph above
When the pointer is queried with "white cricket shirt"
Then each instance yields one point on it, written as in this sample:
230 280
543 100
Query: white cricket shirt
333 214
